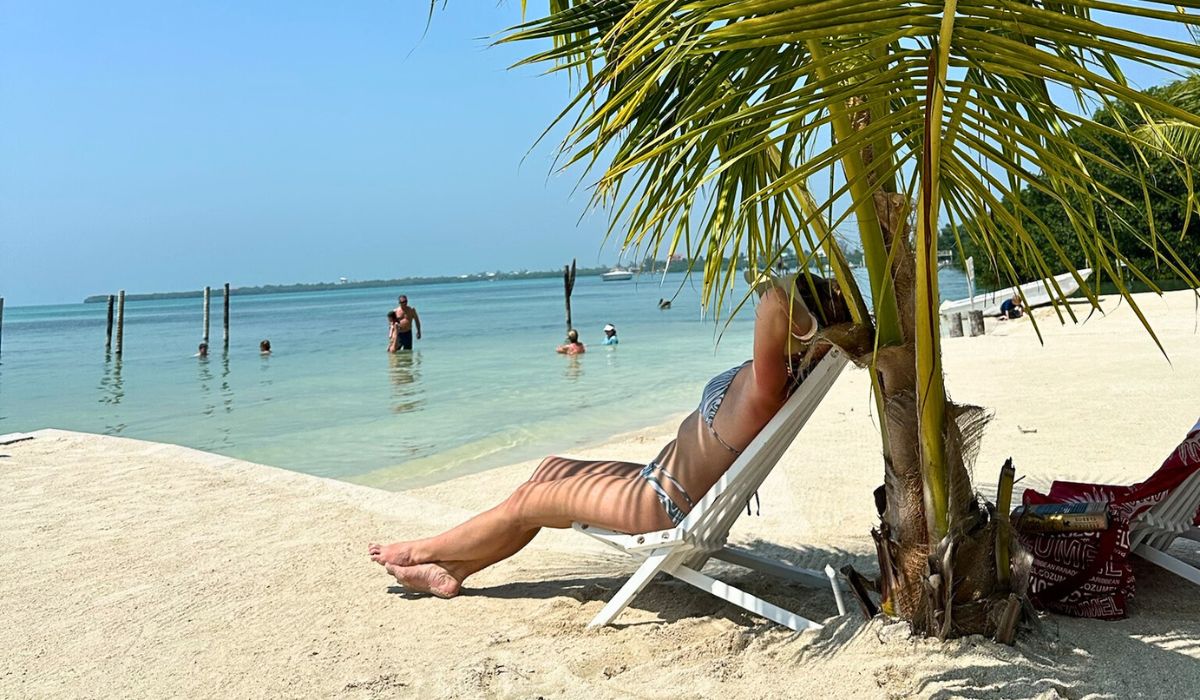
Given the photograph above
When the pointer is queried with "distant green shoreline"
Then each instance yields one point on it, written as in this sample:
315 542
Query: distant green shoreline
362 284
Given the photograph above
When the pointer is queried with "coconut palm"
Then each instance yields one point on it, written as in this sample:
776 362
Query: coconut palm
741 129
1176 135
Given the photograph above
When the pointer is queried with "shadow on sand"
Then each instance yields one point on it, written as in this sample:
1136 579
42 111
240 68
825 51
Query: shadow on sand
1154 653
671 600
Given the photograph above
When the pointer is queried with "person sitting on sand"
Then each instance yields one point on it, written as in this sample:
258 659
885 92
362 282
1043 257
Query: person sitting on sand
637 498
1012 308
393 331
264 347
610 335
572 346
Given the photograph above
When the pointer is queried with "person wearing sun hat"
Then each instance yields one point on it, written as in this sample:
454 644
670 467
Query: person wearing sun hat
610 335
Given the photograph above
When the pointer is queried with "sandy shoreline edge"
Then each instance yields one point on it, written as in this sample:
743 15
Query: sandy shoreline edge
140 569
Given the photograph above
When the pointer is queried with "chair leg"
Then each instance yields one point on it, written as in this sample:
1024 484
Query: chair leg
647 571
1170 563
744 600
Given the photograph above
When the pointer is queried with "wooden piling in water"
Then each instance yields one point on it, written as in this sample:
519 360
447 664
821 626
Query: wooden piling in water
120 321
568 287
1 323
226 315
108 324
207 292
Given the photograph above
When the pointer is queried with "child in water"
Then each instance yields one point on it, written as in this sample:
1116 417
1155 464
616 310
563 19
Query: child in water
393 331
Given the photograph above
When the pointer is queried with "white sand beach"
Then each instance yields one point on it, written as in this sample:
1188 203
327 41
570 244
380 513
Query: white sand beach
135 569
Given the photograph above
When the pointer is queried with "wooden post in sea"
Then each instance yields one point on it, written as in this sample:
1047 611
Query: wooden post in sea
1 323
108 324
120 321
227 316
568 286
207 292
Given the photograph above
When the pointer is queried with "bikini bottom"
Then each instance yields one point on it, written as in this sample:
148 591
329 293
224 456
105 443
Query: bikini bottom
674 512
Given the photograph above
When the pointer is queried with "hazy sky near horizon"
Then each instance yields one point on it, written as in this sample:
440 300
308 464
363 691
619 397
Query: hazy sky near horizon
164 146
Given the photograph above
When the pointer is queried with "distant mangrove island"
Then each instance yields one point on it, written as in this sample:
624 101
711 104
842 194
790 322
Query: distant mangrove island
355 284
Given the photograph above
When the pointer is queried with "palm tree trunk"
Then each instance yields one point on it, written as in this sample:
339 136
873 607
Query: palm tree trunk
947 585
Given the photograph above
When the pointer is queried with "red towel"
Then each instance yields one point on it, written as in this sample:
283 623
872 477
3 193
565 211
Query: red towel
1087 574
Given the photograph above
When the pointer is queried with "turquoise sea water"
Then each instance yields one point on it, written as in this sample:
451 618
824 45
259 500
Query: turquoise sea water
483 388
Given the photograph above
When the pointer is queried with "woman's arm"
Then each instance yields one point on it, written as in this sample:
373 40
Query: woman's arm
780 317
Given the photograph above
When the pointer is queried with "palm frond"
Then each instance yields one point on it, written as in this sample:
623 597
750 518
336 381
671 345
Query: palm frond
702 121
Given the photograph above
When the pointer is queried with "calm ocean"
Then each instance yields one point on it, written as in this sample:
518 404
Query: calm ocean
483 388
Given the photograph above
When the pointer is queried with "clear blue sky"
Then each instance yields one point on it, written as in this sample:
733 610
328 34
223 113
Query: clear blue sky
164 146
167 145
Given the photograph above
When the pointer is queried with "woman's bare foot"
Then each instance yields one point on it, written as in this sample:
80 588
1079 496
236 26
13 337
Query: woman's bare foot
426 578
397 553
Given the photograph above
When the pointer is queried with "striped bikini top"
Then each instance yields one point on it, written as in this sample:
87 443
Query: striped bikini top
712 396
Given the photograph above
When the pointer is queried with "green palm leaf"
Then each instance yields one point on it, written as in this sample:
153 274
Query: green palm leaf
707 126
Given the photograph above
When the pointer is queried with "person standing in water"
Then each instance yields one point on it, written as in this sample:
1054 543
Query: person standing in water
406 318
610 335
393 331
572 346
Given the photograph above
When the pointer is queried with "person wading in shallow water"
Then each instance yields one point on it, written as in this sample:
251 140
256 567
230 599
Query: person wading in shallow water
572 346
406 318
636 498
393 331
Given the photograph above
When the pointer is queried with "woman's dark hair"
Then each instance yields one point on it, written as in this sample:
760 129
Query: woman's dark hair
392 316
824 299
264 345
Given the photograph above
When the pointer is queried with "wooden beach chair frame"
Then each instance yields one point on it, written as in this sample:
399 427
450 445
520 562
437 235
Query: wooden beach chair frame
1153 531
682 551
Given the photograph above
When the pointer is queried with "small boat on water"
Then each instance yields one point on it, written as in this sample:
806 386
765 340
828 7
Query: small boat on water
617 274
1035 293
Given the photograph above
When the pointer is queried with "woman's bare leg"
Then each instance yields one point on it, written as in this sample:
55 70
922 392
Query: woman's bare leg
551 469
440 564
554 468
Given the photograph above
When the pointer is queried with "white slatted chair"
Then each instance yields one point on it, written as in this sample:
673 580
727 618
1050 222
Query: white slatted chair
1153 531
683 550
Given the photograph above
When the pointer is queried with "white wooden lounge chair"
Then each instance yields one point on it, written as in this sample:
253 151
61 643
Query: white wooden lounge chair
682 551
1153 531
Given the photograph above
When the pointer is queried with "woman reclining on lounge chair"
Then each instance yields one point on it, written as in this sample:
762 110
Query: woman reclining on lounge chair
635 498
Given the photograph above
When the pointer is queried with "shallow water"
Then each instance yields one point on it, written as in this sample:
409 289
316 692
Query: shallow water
483 388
